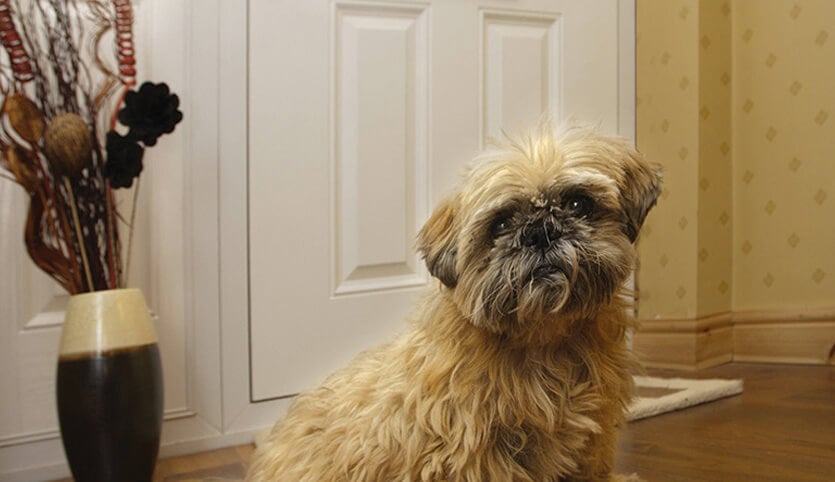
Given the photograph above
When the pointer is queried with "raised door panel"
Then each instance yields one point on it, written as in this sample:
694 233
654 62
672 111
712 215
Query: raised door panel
520 77
379 153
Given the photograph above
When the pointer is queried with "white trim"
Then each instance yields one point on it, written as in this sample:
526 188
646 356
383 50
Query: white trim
201 205
239 413
626 95
626 69
234 256
53 433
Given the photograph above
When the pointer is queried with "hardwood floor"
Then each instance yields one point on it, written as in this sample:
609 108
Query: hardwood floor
218 465
228 464
782 428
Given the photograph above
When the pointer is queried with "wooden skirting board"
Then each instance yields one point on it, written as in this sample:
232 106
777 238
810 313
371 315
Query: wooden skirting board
778 336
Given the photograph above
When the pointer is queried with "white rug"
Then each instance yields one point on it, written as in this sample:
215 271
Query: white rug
677 393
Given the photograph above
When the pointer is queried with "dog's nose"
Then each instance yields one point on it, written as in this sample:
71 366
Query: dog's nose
540 235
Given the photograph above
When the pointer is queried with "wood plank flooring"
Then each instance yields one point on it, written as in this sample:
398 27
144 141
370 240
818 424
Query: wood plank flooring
218 465
782 428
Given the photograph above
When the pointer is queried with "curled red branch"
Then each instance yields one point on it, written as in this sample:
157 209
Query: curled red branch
125 53
10 38
49 259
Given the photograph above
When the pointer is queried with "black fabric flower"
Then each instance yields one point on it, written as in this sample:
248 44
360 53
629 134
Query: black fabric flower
150 112
124 159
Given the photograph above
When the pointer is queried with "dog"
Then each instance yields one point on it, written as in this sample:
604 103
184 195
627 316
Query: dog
515 367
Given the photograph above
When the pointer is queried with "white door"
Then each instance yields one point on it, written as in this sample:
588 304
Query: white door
361 117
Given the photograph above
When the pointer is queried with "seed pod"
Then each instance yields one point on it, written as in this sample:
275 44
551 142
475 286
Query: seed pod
24 117
68 144
21 166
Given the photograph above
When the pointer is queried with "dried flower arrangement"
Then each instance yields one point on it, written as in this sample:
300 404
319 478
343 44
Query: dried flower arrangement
67 71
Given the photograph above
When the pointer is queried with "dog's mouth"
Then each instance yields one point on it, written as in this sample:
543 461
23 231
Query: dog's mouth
545 271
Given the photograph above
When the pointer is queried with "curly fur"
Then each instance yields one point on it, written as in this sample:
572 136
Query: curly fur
515 367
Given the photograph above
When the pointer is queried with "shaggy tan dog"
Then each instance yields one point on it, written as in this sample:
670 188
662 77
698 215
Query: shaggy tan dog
516 366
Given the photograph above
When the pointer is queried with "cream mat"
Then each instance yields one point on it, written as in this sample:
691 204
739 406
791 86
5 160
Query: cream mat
660 395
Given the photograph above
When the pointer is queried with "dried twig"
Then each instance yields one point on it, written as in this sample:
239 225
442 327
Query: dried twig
55 66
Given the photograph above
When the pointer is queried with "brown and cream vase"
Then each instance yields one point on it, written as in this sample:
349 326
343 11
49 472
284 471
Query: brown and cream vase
109 387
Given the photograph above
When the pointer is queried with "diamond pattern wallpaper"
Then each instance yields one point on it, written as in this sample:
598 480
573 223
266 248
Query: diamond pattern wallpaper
735 99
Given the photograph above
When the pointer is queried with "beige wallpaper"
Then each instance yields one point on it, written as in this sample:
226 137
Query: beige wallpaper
734 98
667 132
784 153
714 184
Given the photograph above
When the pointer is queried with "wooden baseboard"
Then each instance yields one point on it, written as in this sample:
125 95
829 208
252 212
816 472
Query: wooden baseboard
803 337
798 342
701 346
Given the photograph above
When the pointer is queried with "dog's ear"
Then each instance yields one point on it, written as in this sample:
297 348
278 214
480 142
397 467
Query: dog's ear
436 242
641 186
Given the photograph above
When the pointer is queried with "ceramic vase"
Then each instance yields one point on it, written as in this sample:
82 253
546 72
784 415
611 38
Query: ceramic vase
109 387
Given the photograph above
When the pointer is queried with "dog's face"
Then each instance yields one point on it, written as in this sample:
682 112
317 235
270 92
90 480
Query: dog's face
542 229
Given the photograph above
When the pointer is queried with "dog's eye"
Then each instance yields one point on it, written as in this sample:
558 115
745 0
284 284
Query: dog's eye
499 225
579 205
